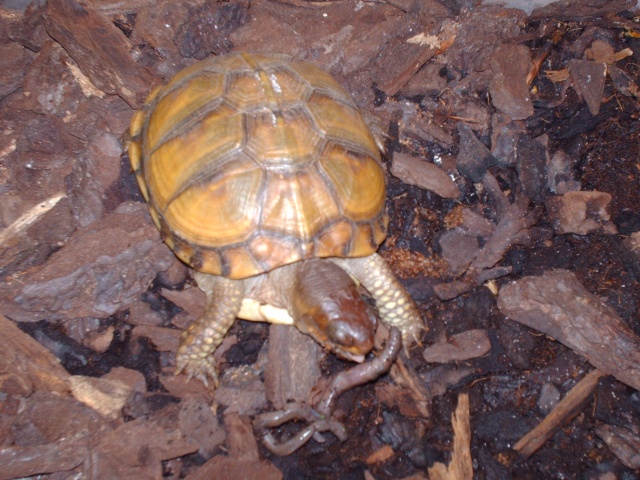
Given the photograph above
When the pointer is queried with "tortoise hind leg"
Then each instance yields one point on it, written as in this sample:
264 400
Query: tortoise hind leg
395 305
200 340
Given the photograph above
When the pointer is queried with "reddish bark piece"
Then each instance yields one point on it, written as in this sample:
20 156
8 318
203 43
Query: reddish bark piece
27 365
101 270
580 212
588 80
509 91
293 365
137 448
228 467
474 158
512 229
12 57
241 443
557 304
164 339
402 63
20 462
463 346
198 423
624 443
100 49
415 171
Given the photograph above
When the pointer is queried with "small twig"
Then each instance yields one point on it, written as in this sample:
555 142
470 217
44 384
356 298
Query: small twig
563 412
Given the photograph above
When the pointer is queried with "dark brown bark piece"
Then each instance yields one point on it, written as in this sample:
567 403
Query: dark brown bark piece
241 442
415 171
474 158
623 442
20 462
136 449
561 175
423 129
101 270
29 30
531 166
208 27
400 65
557 304
12 58
588 80
463 346
402 57
512 229
504 138
293 365
199 424
241 390
100 50
572 10
580 212
229 467
25 365
622 81
509 91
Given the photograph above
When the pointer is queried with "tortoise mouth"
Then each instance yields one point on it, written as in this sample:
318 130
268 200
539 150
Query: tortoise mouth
348 355
338 337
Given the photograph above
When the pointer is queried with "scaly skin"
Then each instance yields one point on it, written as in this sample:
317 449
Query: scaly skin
395 306
199 341
225 298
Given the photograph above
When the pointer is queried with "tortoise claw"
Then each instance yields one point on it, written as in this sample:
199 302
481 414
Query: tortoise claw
203 369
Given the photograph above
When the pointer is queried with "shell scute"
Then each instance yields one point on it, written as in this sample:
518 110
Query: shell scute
253 161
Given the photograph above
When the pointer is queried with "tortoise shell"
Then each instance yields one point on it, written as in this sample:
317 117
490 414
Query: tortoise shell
253 161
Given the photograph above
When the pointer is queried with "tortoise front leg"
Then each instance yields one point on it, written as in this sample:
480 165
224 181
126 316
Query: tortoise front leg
395 305
199 341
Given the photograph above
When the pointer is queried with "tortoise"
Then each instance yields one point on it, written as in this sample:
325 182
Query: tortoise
262 175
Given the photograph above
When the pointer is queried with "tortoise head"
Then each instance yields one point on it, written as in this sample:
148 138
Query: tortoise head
327 306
